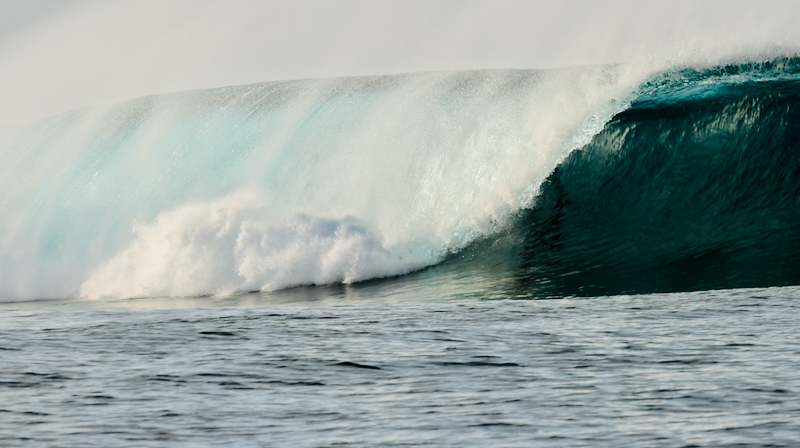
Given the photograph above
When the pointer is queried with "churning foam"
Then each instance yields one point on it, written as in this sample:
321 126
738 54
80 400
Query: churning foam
230 245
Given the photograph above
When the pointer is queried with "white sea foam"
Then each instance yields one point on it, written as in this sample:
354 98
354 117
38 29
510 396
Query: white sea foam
229 245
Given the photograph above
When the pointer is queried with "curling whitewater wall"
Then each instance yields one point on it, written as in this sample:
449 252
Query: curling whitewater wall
273 185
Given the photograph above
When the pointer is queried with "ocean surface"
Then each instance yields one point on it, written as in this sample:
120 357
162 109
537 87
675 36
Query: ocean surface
711 369
589 256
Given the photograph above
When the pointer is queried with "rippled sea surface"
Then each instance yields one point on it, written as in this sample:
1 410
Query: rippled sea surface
714 368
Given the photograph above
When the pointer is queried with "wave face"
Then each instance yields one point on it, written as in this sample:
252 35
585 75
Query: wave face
584 181
695 186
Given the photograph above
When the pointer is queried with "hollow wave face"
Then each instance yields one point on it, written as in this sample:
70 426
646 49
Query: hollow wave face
696 186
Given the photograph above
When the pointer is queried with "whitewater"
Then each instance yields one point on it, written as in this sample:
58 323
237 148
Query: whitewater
269 186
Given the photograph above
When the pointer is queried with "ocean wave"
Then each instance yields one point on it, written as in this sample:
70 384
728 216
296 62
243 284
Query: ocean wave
590 180
695 186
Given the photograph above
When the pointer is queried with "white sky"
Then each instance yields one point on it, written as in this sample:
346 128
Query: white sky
57 55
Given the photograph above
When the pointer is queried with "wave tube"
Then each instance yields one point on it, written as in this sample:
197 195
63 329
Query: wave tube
695 186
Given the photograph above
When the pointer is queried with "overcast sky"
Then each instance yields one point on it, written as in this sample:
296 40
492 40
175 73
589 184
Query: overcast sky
57 55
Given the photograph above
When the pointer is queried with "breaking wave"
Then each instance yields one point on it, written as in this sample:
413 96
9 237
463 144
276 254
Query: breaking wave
591 180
